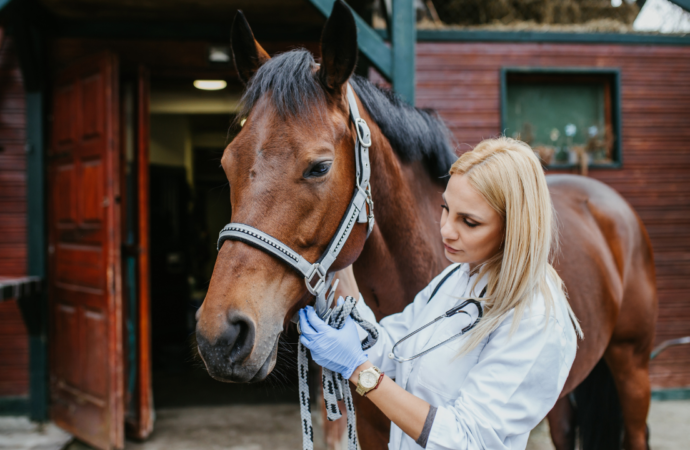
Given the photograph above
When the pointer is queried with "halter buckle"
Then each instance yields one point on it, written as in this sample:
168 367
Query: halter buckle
370 216
363 133
315 289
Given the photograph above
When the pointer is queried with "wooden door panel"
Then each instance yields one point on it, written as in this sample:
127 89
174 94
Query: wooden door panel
95 333
92 106
91 200
65 319
84 254
65 207
64 125
79 267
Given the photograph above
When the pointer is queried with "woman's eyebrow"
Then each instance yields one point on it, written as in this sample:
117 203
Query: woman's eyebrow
462 214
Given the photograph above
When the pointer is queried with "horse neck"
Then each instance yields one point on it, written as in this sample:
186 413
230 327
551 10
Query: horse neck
404 251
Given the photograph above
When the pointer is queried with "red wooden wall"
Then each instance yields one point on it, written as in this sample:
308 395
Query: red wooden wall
462 82
14 346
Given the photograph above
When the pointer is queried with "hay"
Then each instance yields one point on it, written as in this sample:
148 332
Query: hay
543 12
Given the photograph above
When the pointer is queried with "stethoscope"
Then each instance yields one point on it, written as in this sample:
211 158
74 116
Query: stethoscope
450 313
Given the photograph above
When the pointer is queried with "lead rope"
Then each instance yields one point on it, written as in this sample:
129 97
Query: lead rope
335 387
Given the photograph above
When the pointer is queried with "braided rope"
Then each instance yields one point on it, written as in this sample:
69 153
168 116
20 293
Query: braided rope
335 387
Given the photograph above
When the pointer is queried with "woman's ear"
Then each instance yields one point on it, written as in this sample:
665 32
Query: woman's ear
338 47
247 54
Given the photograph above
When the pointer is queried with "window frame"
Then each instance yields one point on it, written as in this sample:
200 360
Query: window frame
614 75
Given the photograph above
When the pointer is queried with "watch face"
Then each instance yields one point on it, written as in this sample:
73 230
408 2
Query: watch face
368 379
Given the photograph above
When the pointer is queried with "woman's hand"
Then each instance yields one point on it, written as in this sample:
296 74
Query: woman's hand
348 284
336 350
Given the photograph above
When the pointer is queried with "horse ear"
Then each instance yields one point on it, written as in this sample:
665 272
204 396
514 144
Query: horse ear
338 47
246 52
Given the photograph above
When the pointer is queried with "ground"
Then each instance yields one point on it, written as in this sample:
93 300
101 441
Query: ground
276 427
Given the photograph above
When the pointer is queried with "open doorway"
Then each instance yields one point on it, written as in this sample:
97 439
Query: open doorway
189 204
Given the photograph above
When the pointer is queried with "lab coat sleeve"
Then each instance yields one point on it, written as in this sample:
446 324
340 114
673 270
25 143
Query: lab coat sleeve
392 328
514 385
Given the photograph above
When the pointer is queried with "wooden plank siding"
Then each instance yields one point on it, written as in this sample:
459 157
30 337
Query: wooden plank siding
14 345
462 82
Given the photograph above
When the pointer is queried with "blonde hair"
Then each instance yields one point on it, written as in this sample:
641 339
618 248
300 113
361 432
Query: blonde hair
508 175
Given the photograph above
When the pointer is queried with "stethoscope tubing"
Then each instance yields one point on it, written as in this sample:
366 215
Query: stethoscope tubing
451 312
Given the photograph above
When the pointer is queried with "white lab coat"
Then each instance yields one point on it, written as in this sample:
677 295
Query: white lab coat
492 397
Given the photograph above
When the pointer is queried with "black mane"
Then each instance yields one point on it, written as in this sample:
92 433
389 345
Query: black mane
415 134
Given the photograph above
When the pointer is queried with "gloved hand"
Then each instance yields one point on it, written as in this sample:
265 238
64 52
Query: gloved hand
336 350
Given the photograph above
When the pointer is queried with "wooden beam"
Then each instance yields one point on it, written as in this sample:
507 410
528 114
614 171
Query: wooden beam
546 37
404 40
370 43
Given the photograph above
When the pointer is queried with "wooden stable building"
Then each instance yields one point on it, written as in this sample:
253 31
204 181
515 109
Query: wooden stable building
103 137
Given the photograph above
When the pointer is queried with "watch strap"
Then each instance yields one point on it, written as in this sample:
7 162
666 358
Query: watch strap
377 384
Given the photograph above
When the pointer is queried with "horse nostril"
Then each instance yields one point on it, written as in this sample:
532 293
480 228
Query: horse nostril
232 346
239 336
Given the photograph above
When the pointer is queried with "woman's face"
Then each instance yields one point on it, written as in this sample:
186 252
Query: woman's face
472 231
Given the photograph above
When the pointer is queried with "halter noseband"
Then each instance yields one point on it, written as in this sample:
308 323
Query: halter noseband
316 275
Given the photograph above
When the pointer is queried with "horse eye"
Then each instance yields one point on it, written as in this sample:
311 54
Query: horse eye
318 170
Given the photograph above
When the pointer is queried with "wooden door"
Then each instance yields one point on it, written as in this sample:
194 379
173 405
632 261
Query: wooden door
86 376
141 425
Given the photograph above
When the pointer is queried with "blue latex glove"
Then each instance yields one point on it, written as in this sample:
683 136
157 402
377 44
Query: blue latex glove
336 350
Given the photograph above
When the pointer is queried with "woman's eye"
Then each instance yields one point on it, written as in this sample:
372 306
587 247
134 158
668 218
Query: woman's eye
445 207
318 170
470 224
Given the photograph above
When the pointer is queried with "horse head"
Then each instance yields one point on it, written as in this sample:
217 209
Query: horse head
291 173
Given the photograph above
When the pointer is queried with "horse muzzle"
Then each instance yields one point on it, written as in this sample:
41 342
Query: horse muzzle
233 355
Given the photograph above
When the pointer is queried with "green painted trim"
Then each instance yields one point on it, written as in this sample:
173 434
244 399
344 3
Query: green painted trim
370 43
685 4
4 3
671 394
37 243
35 184
545 37
617 118
14 406
404 41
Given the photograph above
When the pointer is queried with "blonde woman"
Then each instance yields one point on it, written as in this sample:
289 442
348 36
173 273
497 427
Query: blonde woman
484 377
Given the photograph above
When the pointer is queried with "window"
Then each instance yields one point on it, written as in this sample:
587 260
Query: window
568 116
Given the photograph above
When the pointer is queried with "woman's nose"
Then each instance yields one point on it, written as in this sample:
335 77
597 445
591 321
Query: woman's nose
448 232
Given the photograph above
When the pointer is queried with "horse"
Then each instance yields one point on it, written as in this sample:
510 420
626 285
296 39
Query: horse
291 175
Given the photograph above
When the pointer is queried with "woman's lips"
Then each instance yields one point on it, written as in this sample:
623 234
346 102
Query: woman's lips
450 249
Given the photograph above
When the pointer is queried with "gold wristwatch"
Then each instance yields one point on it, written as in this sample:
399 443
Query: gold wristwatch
369 380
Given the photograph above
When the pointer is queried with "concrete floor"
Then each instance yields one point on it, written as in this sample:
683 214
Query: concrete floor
18 433
233 427
277 427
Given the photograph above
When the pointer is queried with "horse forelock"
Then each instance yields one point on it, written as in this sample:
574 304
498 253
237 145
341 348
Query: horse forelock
290 81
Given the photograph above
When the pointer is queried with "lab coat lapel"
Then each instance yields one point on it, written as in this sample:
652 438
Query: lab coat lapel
435 307
442 302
